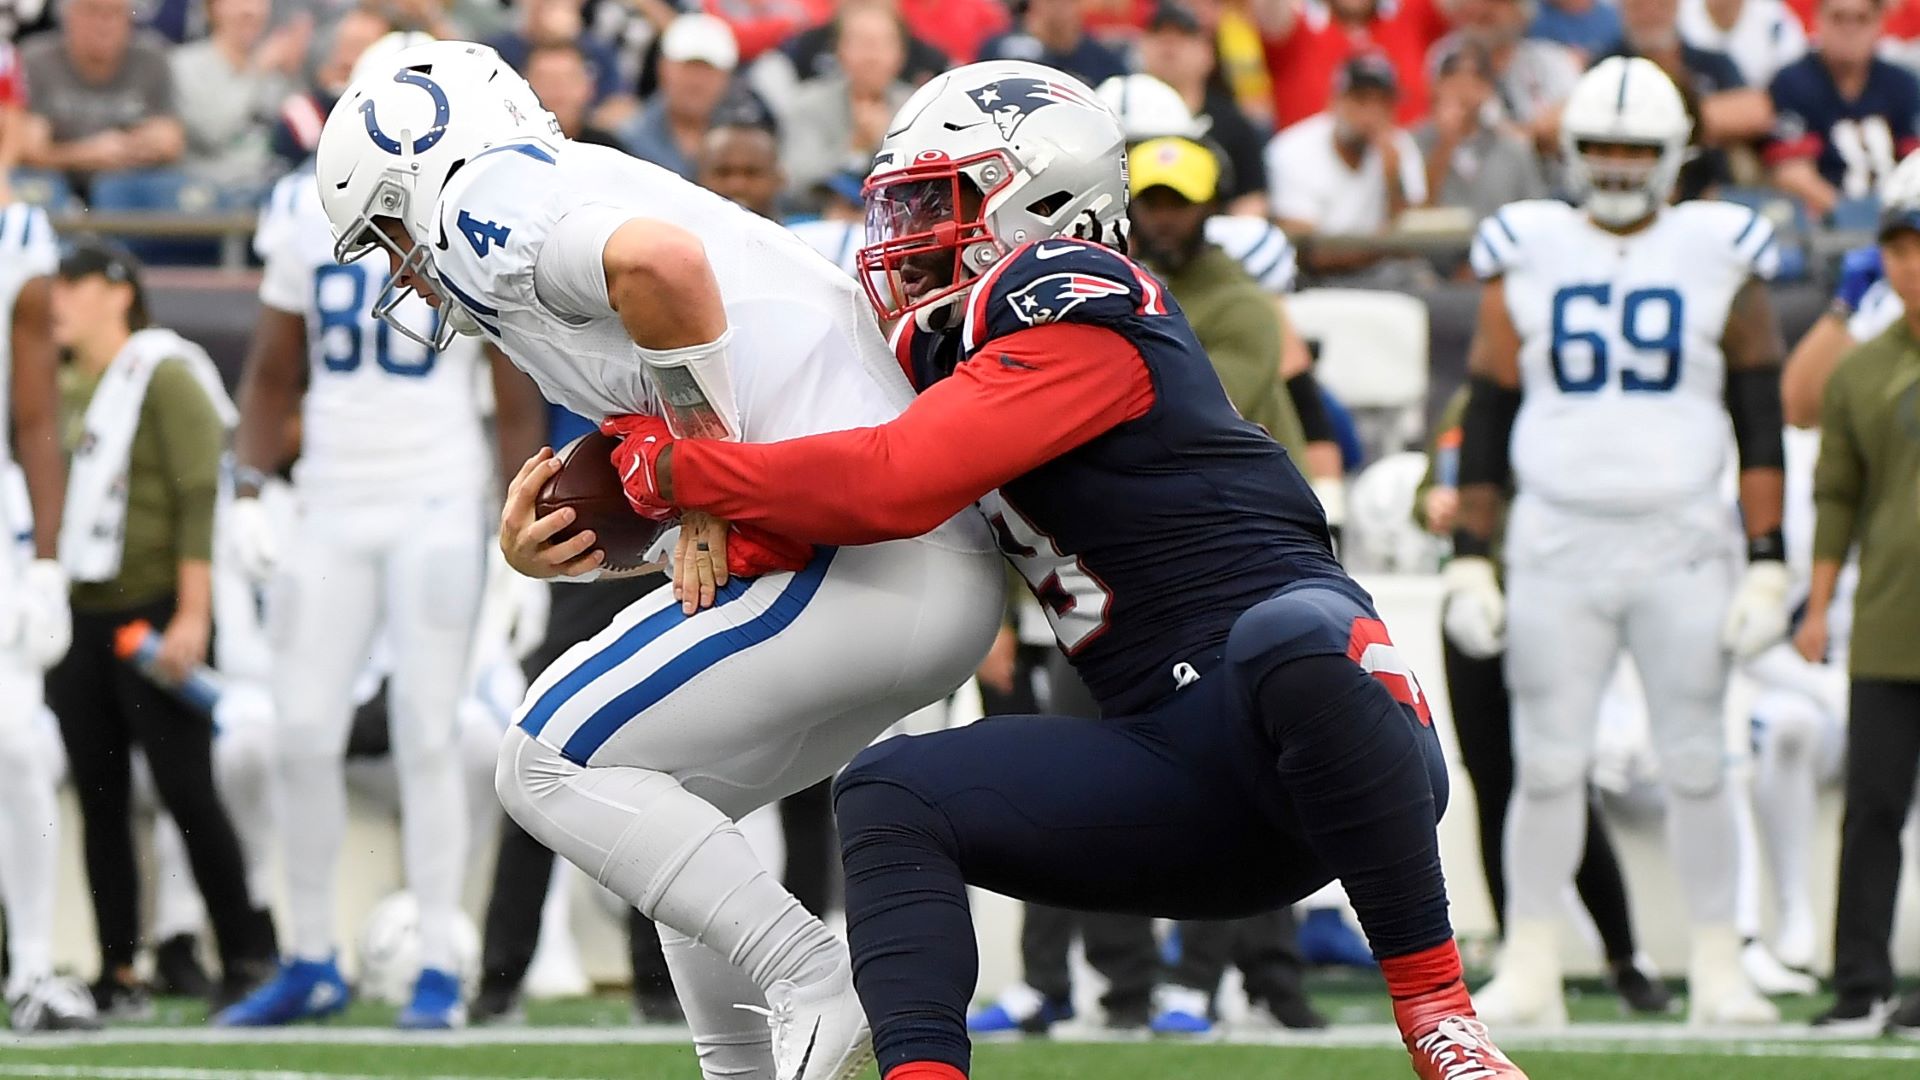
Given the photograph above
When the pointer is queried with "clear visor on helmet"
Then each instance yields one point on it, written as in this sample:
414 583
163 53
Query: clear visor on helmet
1620 167
411 270
920 222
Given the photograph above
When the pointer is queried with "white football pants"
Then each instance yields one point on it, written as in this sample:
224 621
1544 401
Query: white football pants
638 749
416 569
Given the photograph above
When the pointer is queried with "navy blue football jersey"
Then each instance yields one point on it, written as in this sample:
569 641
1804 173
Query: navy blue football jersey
1147 542
1855 144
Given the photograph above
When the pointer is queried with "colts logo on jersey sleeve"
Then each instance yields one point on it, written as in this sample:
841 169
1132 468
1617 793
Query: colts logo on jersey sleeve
1048 299
1011 101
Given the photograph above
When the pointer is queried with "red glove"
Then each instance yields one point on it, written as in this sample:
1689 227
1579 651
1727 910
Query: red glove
642 439
753 551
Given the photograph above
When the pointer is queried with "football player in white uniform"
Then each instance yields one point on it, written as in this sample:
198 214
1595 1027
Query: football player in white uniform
619 288
1615 341
392 484
34 623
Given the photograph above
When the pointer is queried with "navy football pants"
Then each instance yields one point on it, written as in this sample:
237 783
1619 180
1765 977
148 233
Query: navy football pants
1286 765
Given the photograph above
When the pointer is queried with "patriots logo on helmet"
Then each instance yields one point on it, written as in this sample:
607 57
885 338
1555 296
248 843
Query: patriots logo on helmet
1048 299
1010 101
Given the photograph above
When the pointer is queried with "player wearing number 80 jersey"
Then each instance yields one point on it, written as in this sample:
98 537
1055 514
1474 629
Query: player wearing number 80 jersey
1615 343
391 478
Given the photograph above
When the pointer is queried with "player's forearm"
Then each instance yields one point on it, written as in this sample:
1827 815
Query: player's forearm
1808 367
1826 576
1762 494
519 416
271 386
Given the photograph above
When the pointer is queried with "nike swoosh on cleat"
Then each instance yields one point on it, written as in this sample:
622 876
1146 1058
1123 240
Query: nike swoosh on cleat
808 1056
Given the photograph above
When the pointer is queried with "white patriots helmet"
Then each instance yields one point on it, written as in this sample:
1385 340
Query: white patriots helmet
1150 109
980 160
1624 101
394 139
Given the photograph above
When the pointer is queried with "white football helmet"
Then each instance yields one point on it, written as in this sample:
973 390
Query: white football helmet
380 54
980 160
1150 109
395 138
1624 101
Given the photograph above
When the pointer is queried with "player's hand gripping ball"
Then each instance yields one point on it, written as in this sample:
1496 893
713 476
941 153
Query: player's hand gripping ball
589 485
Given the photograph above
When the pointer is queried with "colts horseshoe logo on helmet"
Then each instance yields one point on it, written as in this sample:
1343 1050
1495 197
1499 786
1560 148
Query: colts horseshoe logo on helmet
434 134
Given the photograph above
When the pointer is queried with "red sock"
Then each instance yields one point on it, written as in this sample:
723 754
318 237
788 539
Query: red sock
925 1070
1421 973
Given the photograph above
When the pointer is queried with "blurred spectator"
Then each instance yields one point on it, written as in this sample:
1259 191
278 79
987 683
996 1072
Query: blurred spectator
1760 36
428 17
103 97
1588 27
1349 170
561 80
761 25
957 28
1178 51
1531 77
1474 158
1242 60
229 87
1725 109
1054 33
697 58
297 131
815 53
741 162
13 115
559 22
1846 117
1308 42
836 122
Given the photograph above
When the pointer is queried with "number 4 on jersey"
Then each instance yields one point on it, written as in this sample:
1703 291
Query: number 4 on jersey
483 235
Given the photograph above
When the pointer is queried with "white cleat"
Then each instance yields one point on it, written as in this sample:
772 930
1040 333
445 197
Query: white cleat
1526 990
1772 977
819 1030
1718 992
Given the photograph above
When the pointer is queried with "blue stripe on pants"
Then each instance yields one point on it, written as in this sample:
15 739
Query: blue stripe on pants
624 648
677 672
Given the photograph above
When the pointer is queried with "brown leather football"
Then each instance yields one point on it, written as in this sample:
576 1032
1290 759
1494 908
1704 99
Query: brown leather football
588 483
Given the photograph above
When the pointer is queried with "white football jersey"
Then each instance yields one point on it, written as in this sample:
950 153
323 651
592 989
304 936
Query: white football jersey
806 355
28 249
1621 373
382 414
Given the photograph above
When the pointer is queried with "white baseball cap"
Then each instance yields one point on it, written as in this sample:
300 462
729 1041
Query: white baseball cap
701 37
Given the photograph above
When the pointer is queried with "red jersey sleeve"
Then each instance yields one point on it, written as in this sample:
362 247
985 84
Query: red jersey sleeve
13 78
1022 400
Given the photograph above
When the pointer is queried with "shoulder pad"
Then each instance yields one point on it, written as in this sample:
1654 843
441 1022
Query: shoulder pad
1049 281
490 223
1742 233
1506 240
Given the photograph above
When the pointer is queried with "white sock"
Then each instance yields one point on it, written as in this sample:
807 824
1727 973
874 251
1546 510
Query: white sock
1704 839
29 848
732 1043
433 836
669 853
1545 838
313 824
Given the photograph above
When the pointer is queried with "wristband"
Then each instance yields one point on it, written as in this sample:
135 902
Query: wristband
1767 547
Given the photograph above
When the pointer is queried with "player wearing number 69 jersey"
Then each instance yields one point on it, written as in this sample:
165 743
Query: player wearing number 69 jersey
392 483
1615 342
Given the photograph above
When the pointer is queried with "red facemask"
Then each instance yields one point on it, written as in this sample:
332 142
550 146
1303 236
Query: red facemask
919 226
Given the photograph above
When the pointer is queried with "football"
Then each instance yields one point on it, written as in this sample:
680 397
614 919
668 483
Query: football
587 483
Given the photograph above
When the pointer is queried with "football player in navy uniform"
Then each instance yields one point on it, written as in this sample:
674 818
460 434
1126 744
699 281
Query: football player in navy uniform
1260 735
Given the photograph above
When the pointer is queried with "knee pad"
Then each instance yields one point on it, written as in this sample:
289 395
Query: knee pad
1546 771
1693 765
1786 724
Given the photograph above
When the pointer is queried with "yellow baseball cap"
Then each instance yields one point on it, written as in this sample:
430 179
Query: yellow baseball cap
1180 164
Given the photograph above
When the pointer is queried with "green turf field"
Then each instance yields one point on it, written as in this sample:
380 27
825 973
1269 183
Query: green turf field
593 1039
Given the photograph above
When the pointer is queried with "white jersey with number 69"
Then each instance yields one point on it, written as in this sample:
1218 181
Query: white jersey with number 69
1621 370
383 415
